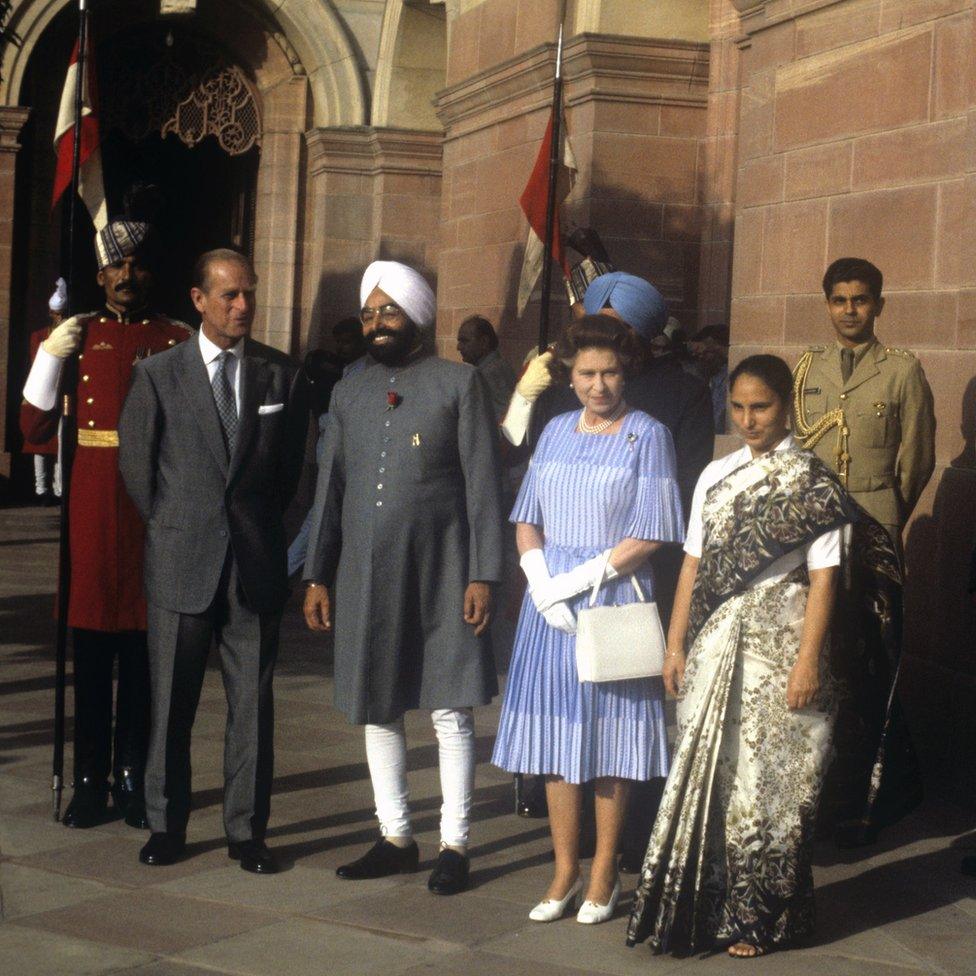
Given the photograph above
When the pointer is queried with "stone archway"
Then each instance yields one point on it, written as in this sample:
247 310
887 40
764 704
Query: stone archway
310 32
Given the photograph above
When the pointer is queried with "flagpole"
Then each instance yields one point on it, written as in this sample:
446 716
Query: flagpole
557 114
68 431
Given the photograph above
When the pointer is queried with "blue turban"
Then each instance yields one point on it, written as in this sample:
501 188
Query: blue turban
635 300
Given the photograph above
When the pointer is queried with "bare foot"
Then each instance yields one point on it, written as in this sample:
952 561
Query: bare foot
746 950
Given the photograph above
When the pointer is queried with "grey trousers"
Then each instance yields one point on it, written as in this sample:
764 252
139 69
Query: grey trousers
179 644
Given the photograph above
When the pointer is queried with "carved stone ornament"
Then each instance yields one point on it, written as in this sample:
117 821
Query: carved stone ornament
181 85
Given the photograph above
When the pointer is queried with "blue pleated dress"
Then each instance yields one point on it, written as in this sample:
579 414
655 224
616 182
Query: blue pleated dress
587 492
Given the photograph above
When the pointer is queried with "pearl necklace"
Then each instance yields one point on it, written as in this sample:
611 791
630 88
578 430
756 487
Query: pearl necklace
604 424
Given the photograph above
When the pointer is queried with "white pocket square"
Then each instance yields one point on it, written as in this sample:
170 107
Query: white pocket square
270 408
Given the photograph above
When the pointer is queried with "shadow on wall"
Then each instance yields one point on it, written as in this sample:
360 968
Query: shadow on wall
939 675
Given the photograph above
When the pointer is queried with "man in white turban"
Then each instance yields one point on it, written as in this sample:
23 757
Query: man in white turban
407 534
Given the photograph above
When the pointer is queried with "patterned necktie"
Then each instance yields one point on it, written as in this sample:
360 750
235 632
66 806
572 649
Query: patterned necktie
846 363
226 404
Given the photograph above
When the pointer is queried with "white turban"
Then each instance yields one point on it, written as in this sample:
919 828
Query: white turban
58 301
405 286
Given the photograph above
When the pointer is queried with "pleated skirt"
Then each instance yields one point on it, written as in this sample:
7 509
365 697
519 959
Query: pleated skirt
551 723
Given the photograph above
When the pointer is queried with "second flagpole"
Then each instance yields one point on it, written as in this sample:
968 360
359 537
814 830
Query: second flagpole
557 112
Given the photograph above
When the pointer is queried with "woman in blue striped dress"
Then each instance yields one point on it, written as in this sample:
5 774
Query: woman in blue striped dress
601 479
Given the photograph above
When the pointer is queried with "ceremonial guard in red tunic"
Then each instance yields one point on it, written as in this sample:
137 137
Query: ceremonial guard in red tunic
106 606
47 466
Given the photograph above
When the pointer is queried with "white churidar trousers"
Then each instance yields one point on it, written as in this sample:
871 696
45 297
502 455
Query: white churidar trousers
386 755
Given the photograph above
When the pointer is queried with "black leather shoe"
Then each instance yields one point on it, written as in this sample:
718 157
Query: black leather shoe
129 799
450 874
382 860
254 856
163 849
530 796
88 806
849 835
631 862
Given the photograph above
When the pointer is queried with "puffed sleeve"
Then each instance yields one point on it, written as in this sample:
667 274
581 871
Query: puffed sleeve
528 508
656 515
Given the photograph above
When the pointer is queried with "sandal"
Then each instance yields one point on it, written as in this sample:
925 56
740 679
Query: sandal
755 951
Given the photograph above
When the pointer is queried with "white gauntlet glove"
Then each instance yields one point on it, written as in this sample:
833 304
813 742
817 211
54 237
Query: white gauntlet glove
533 382
577 580
65 339
536 379
557 615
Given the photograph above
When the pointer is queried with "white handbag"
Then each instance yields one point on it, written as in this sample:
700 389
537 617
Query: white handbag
619 643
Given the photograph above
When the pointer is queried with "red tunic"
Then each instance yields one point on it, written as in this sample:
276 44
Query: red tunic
105 530
49 446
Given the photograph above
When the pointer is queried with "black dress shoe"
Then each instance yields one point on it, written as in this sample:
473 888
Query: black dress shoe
631 862
163 849
530 796
450 874
382 860
88 806
254 856
129 799
850 835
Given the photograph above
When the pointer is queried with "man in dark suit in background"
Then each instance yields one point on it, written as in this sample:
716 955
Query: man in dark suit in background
212 437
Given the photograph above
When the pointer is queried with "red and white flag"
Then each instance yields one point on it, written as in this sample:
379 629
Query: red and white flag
533 202
91 186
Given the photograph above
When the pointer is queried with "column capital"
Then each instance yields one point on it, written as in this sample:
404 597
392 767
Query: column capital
12 119
367 150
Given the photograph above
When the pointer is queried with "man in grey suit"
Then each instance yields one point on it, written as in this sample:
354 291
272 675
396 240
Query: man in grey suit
211 440
407 527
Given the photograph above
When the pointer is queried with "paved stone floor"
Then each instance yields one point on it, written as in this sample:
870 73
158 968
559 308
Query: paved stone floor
78 902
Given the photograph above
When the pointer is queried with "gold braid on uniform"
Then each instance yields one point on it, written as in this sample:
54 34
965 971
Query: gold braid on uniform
811 434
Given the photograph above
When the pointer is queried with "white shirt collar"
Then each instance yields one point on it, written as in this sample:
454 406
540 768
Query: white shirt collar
210 351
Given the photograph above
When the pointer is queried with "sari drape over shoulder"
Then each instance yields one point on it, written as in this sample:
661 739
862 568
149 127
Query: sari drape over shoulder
729 856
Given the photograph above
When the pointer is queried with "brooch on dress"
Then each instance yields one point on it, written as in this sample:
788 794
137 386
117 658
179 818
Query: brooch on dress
631 439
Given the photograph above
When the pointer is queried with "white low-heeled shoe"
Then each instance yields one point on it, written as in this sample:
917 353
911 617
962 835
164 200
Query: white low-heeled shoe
549 909
591 913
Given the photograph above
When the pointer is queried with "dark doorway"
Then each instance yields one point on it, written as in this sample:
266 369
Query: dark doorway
207 201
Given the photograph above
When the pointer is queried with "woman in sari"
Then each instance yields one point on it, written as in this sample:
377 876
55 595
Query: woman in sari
728 864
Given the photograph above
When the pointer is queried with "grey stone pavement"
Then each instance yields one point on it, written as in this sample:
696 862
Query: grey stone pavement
78 903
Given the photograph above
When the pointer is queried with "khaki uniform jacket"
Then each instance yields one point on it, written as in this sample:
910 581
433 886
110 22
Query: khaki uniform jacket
887 406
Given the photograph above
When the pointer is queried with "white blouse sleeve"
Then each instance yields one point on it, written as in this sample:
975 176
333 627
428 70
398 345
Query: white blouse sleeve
824 551
693 537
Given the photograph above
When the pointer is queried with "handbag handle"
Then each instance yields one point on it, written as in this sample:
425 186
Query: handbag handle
602 576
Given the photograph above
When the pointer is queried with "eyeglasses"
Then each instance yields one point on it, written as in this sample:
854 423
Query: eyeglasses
387 313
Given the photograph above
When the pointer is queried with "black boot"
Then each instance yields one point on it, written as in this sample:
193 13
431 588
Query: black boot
530 796
89 805
128 798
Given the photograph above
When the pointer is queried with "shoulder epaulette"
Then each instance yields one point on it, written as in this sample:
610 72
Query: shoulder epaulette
905 353
181 324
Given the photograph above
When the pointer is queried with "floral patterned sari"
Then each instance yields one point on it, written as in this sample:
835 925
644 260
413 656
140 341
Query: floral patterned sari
729 856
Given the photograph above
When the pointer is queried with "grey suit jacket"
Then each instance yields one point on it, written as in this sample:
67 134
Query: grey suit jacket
194 499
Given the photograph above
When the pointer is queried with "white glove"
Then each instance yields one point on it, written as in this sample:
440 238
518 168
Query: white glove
561 617
65 339
536 377
536 571
577 580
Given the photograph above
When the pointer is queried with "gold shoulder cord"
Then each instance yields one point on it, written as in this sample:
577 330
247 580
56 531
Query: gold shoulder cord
811 434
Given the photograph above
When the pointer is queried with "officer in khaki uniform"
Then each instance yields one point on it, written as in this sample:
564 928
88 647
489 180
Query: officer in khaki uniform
870 418
866 410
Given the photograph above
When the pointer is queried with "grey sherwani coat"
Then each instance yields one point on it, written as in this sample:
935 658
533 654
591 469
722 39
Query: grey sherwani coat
407 512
